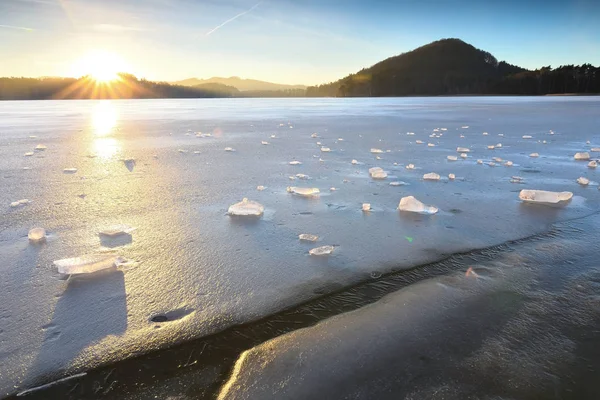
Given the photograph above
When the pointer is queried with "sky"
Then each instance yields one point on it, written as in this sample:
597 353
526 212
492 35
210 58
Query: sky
284 41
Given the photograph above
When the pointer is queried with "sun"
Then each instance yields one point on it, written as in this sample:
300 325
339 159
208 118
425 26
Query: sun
100 65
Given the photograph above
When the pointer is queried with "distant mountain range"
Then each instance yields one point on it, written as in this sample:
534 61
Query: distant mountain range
243 85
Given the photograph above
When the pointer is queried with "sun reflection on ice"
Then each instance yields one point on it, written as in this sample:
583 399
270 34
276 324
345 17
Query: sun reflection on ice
106 147
104 118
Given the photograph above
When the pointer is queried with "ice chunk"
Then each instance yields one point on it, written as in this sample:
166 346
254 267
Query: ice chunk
307 237
410 133
419 142
88 264
246 208
366 206
582 156
467 127
479 161
462 136
70 170
398 183
463 155
295 163
452 158
499 145
302 176
264 143
430 145
534 155
462 150
314 135
592 164
411 204
19 203
491 164
196 152
229 149
37 235
543 141
260 188
182 151
28 154
354 162
377 158
583 181
377 173
321 251
491 147
116 230
32 136
527 137
340 139
305 192
508 163
410 166
595 149
451 177
501 134
484 133
587 142
273 137
40 147
325 149
292 178
432 176
497 159
544 197
332 189
376 151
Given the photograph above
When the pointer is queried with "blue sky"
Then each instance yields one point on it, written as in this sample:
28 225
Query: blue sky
286 41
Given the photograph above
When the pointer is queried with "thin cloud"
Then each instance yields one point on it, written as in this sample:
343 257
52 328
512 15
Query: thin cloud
20 28
232 19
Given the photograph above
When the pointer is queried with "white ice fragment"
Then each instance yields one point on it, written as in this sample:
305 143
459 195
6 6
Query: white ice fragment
295 163
301 191
443 129
32 136
377 173
484 133
321 251
302 176
534 155
229 149
492 147
88 264
319 143
40 147
116 230
544 197
479 161
273 136
462 150
377 158
411 204
527 137
321 160
70 170
264 143
582 156
26 168
247 208
595 149
314 135
366 207
182 151
587 142
452 158
354 162
462 136
592 164
432 176
544 142
451 177
501 134
499 145
583 181
376 151
332 189
508 164
419 142
410 133
28 154
491 164
37 235
340 139
463 155
19 203
465 127
497 159
325 149
388 151
410 166
308 237
292 178
430 145
397 183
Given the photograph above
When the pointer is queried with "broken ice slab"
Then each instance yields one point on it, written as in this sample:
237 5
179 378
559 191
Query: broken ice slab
321 251
229 149
366 206
544 197
411 204
492 147
451 177
582 156
377 173
354 162
410 166
116 230
534 155
302 176
305 192
19 203
491 164
376 151
292 178
398 183
479 161
332 189
419 142
432 176
499 145
260 188
307 237
595 149
377 158
484 133
314 135
430 145
467 127
182 151
88 264
37 235
40 147
452 158
592 164
28 154
508 163
295 163
325 149
319 143
264 143
462 150
70 170
463 155
583 181
246 208
273 137
497 159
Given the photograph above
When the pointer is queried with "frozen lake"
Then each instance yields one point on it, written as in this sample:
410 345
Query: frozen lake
202 271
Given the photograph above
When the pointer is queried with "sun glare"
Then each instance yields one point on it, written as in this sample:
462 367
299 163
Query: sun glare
102 66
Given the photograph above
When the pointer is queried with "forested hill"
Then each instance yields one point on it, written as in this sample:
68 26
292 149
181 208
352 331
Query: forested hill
453 67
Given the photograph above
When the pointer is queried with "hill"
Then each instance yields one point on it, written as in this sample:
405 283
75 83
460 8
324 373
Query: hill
240 84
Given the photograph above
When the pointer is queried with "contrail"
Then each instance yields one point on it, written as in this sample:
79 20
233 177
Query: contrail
232 19
21 28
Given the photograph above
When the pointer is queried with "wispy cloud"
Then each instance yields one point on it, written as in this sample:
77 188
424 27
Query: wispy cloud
20 28
116 28
232 19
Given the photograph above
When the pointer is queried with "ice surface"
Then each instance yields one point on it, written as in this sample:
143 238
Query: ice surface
377 173
307 237
28 154
302 191
37 235
321 251
295 163
19 203
366 206
40 147
451 176
544 197
534 155
452 158
88 264
582 156
592 164
70 170
411 204
325 149
246 208
432 176
583 181
116 230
